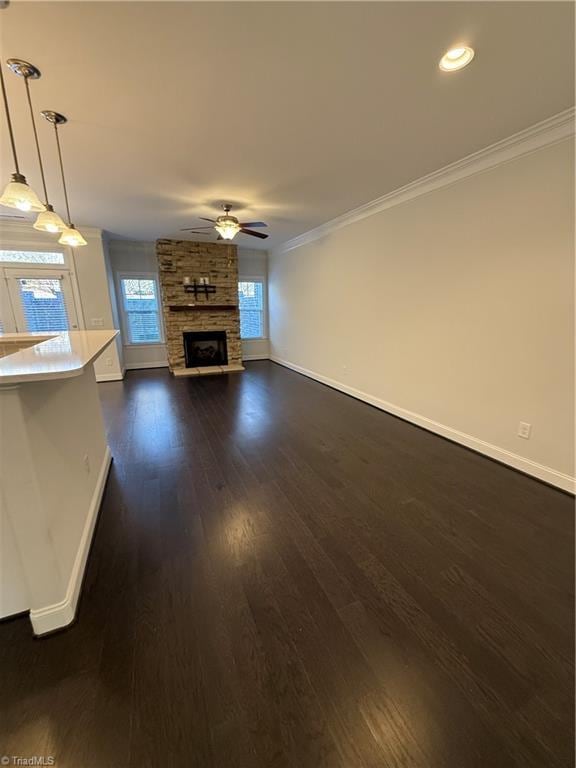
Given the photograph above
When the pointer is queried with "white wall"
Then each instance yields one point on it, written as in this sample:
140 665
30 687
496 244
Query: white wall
92 275
254 263
453 309
133 256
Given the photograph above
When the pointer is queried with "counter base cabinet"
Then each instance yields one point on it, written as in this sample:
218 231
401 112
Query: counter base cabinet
54 461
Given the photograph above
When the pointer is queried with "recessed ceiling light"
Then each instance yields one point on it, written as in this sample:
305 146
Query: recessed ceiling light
456 58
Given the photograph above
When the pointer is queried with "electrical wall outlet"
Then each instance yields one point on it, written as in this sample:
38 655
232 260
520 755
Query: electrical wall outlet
524 430
108 361
97 322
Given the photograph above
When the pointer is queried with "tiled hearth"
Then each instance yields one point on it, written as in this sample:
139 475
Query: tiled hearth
183 261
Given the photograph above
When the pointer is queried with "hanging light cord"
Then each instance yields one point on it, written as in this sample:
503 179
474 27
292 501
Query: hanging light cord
62 174
36 139
9 121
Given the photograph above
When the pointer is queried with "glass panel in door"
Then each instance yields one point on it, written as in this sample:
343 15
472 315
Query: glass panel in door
42 302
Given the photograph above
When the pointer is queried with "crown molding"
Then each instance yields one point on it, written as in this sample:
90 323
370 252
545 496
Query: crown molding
544 134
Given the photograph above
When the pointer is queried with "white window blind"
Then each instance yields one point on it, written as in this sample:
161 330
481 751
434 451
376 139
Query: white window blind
251 303
141 310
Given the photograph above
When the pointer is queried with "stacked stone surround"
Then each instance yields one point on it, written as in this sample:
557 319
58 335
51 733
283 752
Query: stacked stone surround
178 259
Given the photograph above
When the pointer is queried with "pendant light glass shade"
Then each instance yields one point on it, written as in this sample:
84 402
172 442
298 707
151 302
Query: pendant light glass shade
17 194
70 236
49 221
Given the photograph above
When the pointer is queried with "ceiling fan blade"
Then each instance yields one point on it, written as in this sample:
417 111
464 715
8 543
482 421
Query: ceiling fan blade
195 232
205 219
194 229
253 224
254 234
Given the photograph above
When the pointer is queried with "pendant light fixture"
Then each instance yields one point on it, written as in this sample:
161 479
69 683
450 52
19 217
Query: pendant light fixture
70 235
47 220
17 193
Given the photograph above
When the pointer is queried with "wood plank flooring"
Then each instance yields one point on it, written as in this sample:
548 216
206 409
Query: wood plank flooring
284 577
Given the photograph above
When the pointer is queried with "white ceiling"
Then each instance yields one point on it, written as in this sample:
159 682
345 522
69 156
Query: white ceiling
297 112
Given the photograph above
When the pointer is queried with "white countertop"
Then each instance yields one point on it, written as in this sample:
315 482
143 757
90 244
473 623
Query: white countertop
58 355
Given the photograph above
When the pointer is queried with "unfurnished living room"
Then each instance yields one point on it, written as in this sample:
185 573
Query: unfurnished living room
287 384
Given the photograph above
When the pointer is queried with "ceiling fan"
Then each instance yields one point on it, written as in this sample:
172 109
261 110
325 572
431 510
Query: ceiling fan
228 226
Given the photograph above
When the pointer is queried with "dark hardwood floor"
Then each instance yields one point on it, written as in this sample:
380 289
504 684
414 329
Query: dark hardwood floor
282 576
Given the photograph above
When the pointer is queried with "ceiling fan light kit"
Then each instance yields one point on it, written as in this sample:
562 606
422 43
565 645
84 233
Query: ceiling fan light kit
227 226
227 229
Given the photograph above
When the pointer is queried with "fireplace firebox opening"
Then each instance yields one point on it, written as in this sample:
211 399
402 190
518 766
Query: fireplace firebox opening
203 348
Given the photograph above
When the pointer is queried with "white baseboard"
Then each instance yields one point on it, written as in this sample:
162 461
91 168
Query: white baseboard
255 357
533 468
109 377
61 614
143 366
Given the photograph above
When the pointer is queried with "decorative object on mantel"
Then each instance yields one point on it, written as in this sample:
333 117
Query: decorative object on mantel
228 226
196 288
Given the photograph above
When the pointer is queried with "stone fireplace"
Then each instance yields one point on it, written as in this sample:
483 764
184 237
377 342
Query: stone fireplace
199 285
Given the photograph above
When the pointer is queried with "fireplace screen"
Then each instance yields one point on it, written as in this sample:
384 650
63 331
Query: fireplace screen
205 348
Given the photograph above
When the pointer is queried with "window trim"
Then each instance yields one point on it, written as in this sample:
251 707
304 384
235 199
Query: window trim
257 279
122 312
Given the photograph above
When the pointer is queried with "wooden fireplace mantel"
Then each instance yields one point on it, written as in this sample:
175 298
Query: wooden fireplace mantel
201 307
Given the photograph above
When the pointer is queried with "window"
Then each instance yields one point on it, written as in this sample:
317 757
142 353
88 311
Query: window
39 299
37 289
32 257
251 302
43 304
141 310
